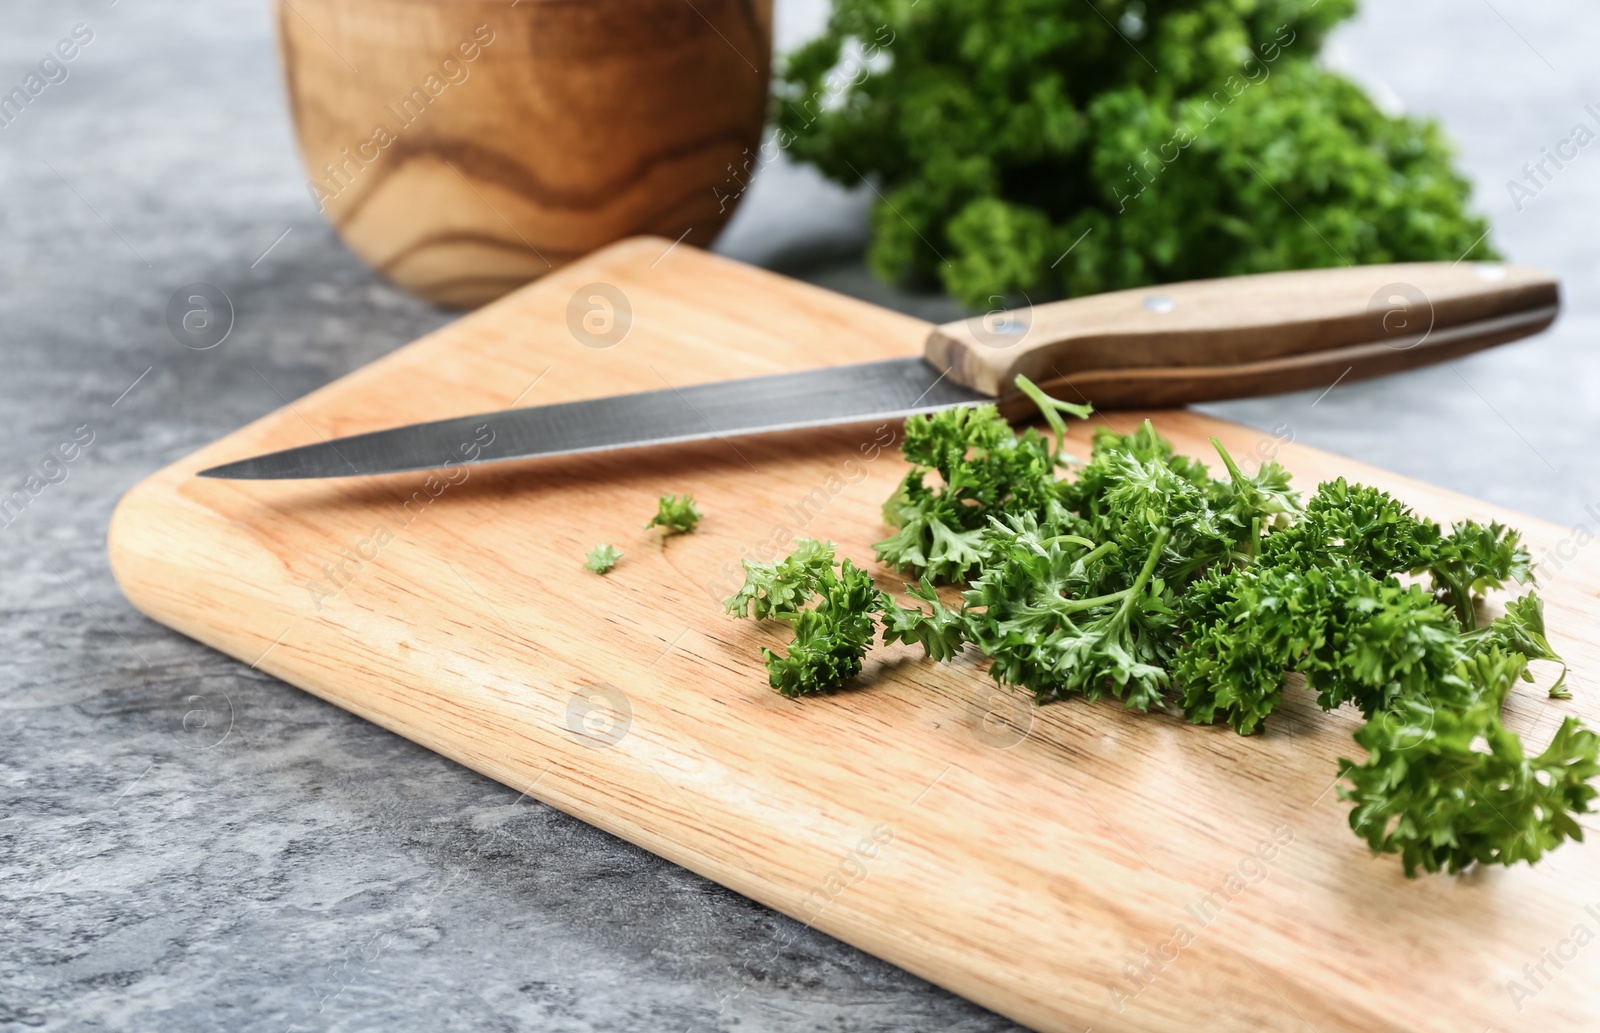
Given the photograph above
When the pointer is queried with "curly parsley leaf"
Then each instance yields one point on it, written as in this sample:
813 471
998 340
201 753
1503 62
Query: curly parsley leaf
602 558
1445 787
1521 630
1473 559
940 630
984 469
784 587
1362 527
831 638
676 513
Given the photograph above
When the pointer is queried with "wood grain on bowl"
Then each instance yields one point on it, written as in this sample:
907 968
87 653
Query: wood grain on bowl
464 148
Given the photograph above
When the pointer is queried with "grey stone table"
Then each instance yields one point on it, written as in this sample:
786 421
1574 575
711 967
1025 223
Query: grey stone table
186 844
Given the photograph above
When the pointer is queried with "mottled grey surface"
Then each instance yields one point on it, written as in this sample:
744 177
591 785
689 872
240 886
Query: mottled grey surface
186 844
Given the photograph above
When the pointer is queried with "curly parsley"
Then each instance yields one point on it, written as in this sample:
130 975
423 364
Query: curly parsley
1059 149
602 558
830 638
677 514
1144 578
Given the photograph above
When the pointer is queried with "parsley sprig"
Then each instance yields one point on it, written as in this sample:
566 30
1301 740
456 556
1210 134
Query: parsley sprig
675 514
1143 578
830 638
602 558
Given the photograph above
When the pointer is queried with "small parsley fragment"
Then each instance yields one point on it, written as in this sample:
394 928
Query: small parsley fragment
602 558
830 638
1143 578
676 513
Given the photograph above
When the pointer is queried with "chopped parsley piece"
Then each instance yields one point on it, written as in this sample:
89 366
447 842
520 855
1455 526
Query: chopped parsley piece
831 637
676 513
602 558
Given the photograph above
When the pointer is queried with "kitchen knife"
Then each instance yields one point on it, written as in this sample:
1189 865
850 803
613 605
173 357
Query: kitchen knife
1144 348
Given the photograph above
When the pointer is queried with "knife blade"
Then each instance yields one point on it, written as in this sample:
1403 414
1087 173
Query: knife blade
891 389
1170 345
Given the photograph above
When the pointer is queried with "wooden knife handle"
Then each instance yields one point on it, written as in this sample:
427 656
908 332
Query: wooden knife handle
1239 321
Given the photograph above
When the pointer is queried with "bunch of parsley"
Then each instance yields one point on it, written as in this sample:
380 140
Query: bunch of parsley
1054 148
1145 579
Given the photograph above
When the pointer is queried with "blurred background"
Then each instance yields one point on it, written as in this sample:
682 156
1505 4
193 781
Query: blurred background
310 871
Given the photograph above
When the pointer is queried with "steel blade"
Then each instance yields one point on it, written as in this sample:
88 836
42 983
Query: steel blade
725 409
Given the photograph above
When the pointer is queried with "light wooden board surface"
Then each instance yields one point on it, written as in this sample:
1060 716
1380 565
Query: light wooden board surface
1027 866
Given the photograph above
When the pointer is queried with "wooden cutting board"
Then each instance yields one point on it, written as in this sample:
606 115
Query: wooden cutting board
1072 866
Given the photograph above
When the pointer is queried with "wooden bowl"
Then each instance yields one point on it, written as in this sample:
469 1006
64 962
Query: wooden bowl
464 148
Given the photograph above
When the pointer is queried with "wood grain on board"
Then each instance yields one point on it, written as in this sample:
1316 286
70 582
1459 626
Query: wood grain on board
465 147
1072 866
